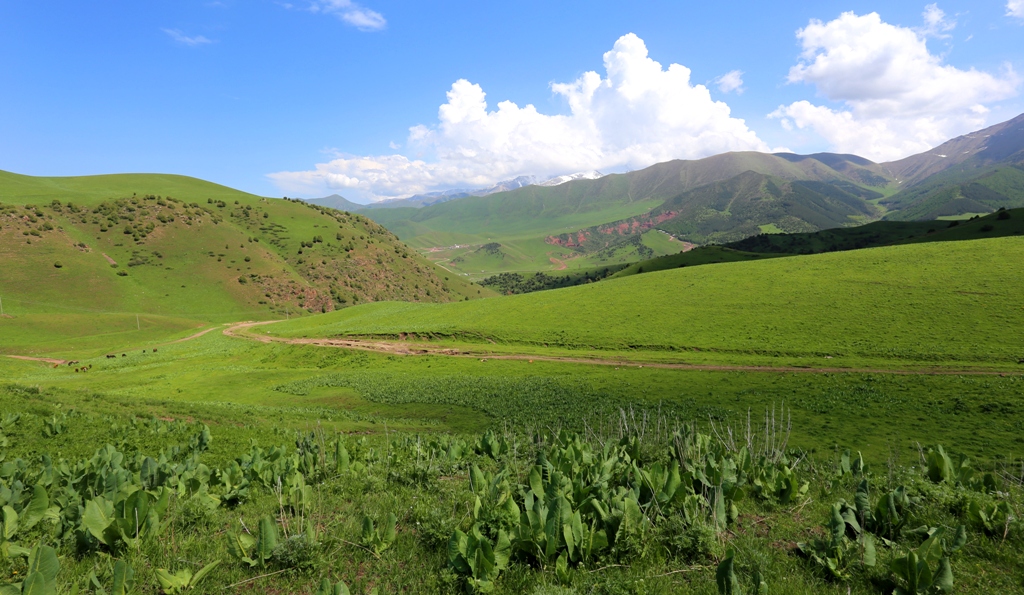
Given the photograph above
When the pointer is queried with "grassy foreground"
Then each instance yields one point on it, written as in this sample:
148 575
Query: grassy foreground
278 503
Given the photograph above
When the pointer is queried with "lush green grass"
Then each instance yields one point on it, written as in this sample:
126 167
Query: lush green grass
937 303
872 412
88 334
887 233
695 257
254 393
430 495
92 190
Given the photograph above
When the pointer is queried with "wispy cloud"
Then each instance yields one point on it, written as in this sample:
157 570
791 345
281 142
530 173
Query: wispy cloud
1015 8
936 24
189 40
731 81
348 11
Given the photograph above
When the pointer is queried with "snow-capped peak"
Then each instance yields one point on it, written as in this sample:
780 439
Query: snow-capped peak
583 175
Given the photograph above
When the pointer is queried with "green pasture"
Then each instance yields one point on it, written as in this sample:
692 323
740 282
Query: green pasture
950 304
83 334
872 412
90 190
695 257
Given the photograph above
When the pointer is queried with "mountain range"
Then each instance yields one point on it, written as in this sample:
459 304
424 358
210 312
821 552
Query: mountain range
336 201
718 199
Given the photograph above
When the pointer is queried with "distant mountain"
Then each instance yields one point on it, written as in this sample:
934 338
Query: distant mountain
419 201
725 198
583 175
1002 143
975 173
336 201
541 211
737 208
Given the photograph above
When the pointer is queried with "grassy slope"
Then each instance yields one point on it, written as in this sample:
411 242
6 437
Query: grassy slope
936 302
964 189
695 257
885 233
189 269
740 206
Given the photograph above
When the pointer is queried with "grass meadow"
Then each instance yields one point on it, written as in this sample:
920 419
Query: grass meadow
413 428
944 304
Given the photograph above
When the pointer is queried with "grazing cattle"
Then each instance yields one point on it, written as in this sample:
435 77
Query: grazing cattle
154 350
109 356
124 355
143 351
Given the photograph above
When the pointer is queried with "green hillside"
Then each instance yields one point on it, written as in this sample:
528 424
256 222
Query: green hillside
736 208
885 233
958 192
105 245
902 302
696 257
1009 222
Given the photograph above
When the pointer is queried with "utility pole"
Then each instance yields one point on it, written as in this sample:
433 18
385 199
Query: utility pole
1 306
138 327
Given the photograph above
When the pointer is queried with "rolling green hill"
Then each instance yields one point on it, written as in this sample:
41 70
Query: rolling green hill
185 252
885 233
901 302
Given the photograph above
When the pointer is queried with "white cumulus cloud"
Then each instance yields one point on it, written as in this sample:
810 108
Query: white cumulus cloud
1015 8
730 82
637 114
894 97
358 16
183 39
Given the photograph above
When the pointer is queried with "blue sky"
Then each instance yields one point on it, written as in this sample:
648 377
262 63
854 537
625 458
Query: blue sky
320 96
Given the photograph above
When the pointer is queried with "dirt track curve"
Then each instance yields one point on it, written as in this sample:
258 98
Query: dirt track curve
237 330
404 348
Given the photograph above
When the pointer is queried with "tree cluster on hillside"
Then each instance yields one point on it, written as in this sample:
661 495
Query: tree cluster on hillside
514 283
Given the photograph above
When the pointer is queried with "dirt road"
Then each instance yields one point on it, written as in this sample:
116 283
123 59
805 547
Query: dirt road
59 362
559 264
407 348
